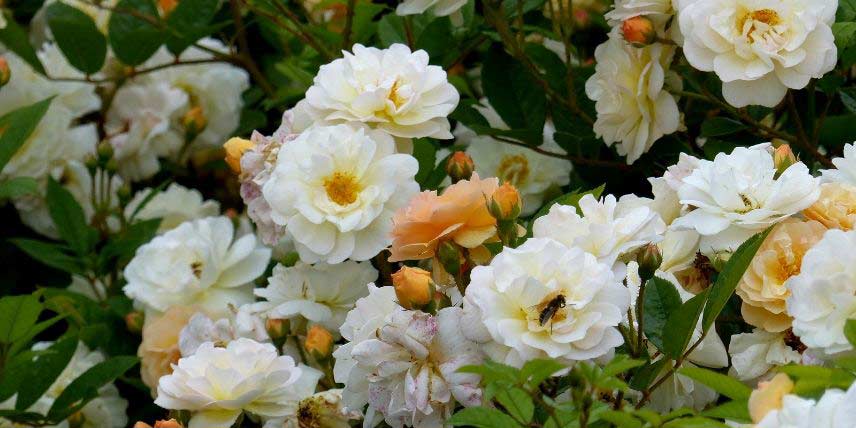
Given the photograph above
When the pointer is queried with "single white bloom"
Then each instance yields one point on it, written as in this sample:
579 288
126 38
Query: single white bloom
174 206
607 228
845 171
759 48
361 323
835 409
198 263
409 372
514 301
628 88
320 293
139 126
823 295
217 384
240 322
336 189
394 90
754 354
737 195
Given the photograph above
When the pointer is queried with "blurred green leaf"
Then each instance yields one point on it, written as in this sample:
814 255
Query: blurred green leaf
17 187
189 22
534 372
483 417
83 389
17 125
77 37
850 331
18 314
69 219
719 126
736 411
514 93
517 403
16 39
54 255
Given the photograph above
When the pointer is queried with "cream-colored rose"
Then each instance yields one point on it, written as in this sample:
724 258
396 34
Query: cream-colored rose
836 207
768 396
762 287
159 348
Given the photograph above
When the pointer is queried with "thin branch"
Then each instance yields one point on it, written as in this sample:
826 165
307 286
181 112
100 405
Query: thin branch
349 25
297 30
244 50
135 73
575 159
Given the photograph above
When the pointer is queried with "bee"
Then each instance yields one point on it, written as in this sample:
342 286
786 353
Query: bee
550 309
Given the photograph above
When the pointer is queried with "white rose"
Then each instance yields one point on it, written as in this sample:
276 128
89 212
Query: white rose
823 295
320 293
835 409
198 263
737 195
336 189
845 167
759 48
218 384
393 89
608 228
543 299
175 205
239 323
628 88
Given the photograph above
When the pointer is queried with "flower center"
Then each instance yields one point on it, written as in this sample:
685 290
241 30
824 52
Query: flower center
760 19
397 99
513 169
342 188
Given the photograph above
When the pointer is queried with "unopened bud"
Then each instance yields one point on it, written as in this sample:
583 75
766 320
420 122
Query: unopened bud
105 151
413 287
5 71
91 163
194 122
449 257
76 420
235 149
639 31
783 158
124 193
276 328
171 423
319 342
460 167
166 7
505 203
112 166
582 18
649 258
134 321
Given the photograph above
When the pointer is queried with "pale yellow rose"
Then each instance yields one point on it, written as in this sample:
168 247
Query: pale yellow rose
159 348
836 207
762 287
768 396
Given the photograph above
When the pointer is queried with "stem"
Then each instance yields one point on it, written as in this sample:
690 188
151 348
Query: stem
297 30
646 394
349 23
640 319
244 50
134 73
408 30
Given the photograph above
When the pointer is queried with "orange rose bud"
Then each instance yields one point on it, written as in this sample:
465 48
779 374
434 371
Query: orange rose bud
172 423
783 158
276 328
194 122
505 204
319 342
235 148
460 167
5 71
639 31
166 7
134 321
413 287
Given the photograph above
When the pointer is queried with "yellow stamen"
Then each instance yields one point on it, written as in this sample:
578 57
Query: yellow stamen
342 188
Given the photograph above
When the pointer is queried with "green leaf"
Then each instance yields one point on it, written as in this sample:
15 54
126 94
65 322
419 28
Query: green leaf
426 154
77 37
482 417
845 34
620 364
189 22
848 98
517 403
621 419
846 10
850 331
23 341
727 281
514 93
17 125
16 39
646 375
86 386
719 126
53 255
536 371
124 246
814 380
42 373
737 411
694 422
681 325
435 39
725 385
492 371
661 300
18 314
134 35
17 187
69 219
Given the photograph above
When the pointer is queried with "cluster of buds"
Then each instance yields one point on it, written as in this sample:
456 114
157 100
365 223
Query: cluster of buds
639 31
505 206
459 167
235 149
194 122
414 289
103 158
5 72
319 343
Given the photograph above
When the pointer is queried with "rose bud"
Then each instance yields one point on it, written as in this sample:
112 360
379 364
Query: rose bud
783 158
5 71
319 342
134 321
649 258
505 203
235 148
639 31
194 122
413 287
276 328
460 167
